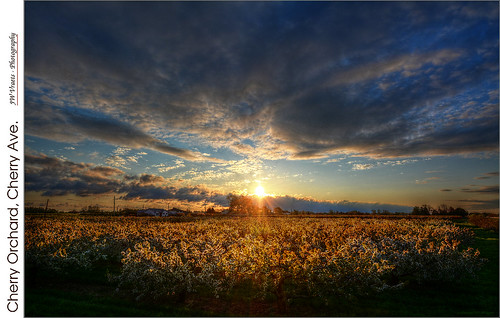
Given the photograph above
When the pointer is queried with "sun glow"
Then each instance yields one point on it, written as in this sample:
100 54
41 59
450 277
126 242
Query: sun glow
260 192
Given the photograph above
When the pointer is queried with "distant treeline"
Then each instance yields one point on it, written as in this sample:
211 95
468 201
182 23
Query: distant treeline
96 210
443 209
93 209
30 209
245 205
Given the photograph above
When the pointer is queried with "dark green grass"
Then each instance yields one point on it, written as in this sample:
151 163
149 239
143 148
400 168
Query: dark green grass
79 293
478 297
88 293
51 302
472 297
45 302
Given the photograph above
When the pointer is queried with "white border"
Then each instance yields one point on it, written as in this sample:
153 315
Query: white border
12 21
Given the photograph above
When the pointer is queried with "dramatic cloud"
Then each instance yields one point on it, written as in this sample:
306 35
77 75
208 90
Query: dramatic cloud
275 80
145 189
72 125
56 177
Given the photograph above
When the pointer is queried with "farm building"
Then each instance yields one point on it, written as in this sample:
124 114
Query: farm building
158 212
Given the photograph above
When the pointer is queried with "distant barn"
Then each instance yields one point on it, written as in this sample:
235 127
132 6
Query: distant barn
158 212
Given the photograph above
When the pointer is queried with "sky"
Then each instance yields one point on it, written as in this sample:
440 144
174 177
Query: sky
325 105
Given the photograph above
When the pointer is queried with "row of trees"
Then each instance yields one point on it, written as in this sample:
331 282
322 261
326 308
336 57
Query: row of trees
443 209
242 204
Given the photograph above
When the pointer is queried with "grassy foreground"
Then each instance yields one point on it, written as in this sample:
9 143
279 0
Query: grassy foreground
90 294
473 297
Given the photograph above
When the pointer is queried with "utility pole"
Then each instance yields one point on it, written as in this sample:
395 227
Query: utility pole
114 204
46 207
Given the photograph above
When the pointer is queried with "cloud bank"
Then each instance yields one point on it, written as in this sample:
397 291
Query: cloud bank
291 203
56 177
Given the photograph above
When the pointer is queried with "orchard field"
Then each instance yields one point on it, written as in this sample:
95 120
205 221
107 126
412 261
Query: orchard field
259 266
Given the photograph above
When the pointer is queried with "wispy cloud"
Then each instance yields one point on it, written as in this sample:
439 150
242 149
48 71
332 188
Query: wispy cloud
487 175
478 205
117 161
333 160
360 166
382 163
162 168
482 190
426 180
406 64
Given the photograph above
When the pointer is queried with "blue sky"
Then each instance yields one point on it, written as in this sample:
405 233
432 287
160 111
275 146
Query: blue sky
330 105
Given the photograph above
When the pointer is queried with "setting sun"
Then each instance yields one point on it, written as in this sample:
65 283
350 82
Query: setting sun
259 191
